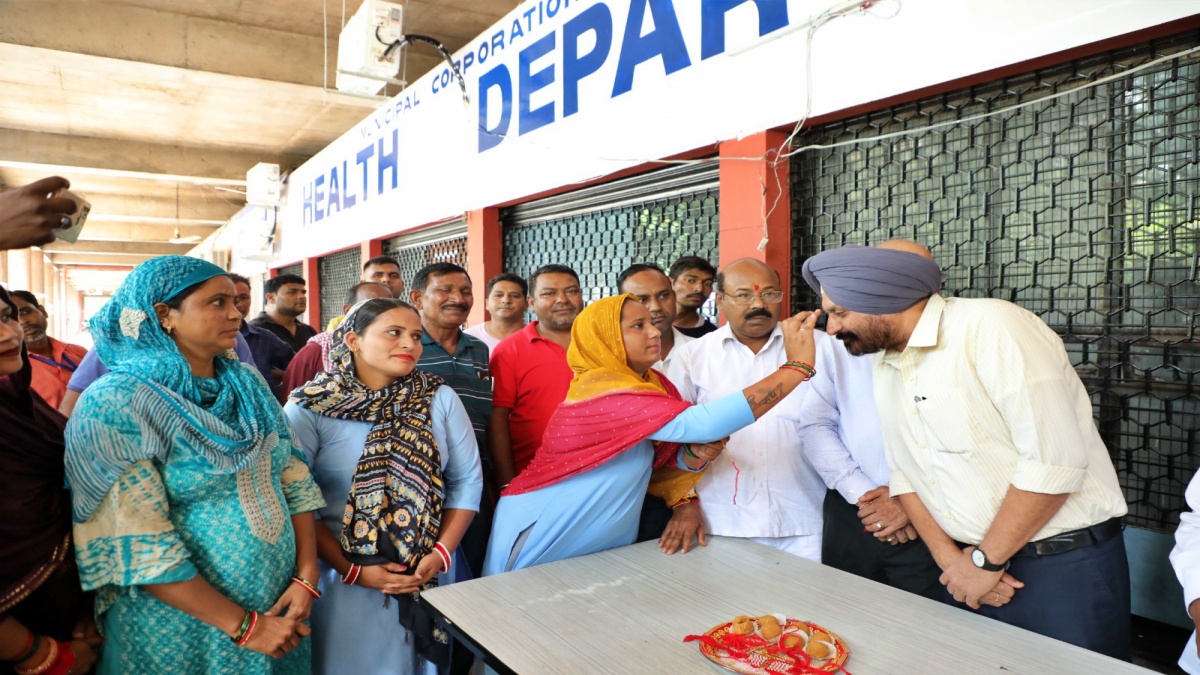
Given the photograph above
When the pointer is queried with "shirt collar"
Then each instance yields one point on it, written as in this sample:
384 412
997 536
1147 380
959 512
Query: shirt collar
925 334
727 336
463 343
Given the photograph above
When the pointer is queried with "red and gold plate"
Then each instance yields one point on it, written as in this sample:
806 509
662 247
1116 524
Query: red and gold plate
755 655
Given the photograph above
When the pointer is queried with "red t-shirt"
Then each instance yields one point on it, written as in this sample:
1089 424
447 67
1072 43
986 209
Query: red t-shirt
50 376
303 367
530 376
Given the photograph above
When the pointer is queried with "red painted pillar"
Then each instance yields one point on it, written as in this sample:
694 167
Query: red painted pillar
312 284
750 189
371 248
485 255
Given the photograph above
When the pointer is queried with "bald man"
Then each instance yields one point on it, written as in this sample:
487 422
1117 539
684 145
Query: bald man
991 446
761 488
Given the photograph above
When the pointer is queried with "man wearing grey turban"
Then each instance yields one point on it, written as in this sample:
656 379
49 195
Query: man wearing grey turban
990 443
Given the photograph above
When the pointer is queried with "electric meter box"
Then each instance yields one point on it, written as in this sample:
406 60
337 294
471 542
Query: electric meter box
363 43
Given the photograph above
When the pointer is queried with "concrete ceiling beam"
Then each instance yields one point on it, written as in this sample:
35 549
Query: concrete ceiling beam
72 155
167 38
117 248
111 98
134 207
61 259
112 231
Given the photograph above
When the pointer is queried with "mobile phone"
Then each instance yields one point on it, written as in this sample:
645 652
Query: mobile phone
70 233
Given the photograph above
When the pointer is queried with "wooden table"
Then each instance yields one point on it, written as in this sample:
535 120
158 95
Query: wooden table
626 611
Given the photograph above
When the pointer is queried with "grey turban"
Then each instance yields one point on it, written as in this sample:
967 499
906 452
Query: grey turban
873 280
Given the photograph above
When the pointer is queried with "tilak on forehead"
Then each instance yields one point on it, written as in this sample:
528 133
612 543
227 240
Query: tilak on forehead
873 280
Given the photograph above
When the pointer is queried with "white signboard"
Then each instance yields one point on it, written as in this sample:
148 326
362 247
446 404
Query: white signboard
562 91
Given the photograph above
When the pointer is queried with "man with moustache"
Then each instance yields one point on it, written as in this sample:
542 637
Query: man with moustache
314 356
286 299
442 294
991 444
531 372
507 300
762 488
271 355
50 360
674 525
692 280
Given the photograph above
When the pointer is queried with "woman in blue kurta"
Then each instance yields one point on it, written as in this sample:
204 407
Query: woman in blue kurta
191 503
583 491
393 451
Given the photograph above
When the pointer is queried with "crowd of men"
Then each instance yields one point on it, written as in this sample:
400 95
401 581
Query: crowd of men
960 463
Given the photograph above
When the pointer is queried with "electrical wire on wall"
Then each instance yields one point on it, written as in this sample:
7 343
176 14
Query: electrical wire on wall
410 38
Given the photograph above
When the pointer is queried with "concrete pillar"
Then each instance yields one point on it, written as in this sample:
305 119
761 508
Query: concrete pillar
47 279
485 255
744 201
312 284
37 274
18 269
4 269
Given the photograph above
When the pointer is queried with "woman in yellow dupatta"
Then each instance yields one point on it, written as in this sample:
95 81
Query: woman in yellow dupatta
583 491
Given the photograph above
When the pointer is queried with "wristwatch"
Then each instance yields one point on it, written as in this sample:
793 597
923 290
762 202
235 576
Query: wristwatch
980 559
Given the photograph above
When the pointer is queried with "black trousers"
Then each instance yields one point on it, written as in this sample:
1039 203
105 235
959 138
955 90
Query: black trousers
1080 597
655 516
847 547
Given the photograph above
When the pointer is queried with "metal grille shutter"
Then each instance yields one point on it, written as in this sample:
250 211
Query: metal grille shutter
655 217
296 269
337 272
441 243
1084 209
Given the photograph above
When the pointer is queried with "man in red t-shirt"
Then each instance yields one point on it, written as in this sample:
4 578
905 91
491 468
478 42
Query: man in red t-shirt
530 375
52 361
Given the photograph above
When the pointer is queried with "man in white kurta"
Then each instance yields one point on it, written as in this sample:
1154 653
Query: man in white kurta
761 488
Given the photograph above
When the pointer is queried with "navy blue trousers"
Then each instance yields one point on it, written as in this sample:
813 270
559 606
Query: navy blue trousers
1080 597
845 546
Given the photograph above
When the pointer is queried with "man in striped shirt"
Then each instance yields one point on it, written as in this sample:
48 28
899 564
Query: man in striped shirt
442 294
991 445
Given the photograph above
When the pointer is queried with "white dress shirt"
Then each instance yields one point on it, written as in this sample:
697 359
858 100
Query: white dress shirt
672 366
773 491
1185 558
984 397
839 426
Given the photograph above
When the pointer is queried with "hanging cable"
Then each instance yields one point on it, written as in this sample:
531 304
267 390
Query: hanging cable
413 37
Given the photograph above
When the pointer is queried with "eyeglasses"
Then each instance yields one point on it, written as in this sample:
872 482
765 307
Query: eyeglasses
769 297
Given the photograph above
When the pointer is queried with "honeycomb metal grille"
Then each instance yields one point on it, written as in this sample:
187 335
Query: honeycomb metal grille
1084 209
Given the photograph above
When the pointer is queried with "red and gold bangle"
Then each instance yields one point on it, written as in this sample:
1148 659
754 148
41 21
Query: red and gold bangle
242 639
351 575
441 550
46 664
65 661
306 585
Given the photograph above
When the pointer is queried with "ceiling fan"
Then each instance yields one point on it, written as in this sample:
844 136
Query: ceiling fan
194 239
